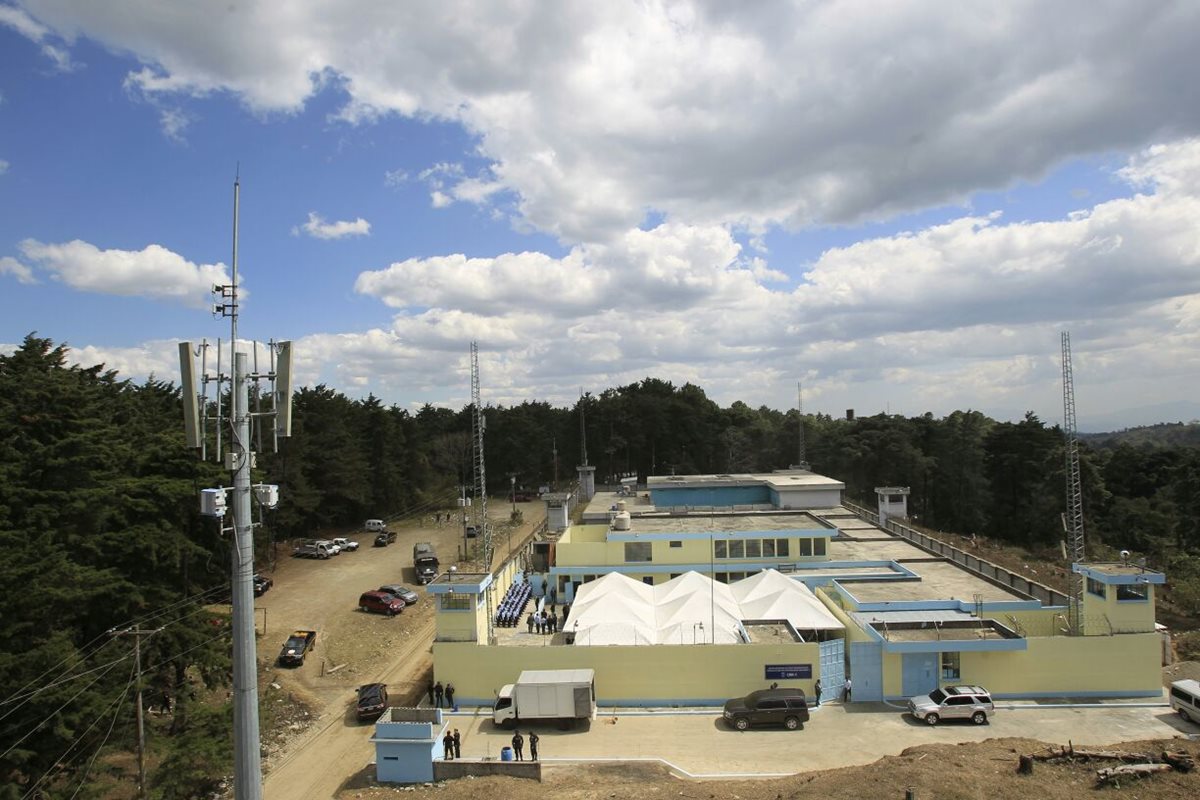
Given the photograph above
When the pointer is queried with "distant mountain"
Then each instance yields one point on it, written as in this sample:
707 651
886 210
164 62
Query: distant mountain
1141 417
1164 434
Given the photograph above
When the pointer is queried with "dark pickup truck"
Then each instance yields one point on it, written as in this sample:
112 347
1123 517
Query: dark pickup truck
297 647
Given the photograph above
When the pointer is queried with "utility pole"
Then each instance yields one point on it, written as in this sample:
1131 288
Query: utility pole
137 635
239 460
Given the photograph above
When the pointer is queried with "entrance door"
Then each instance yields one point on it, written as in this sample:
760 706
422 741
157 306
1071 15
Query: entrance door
919 673
866 670
833 668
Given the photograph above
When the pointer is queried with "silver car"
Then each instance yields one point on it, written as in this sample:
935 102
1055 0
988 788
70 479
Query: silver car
953 702
403 592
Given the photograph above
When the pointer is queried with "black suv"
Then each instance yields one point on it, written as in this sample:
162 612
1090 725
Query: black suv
385 538
372 701
786 707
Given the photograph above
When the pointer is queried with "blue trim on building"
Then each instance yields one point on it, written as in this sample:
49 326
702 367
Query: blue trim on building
1146 576
464 585
788 533
952 645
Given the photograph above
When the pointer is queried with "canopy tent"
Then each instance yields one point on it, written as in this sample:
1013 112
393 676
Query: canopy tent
691 608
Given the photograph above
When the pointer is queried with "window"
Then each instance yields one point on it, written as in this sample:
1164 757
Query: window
637 551
676 543
819 547
781 548
456 602
1131 591
648 580
720 550
722 577
951 666
1096 587
768 548
754 548
805 547
737 548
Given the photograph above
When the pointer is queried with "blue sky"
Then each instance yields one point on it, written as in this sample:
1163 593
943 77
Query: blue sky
601 194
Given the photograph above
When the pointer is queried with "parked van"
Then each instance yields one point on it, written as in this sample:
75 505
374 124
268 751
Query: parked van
374 525
1185 698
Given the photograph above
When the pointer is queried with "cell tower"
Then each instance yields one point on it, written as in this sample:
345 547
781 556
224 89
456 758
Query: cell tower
239 459
1073 518
801 451
482 523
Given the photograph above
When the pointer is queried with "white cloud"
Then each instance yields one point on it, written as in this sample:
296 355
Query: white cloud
10 266
318 228
3 166
594 114
395 177
153 272
39 34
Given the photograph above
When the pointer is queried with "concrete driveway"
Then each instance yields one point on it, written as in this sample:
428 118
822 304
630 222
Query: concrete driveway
699 744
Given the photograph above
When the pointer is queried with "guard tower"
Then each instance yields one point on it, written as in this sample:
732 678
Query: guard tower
1117 597
587 482
558 510
893 502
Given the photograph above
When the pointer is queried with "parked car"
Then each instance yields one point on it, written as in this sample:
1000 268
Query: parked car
786 707
261 585
380 603
372 700
385 538
334 547
953 702
347 545
403 592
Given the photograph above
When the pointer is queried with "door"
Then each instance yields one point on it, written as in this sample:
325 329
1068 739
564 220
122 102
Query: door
833 668
919 673
866 670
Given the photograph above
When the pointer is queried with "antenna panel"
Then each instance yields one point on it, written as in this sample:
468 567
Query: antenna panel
283 390
191 409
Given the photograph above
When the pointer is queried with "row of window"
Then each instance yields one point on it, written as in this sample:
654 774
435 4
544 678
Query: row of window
1125 591
456 602
723 549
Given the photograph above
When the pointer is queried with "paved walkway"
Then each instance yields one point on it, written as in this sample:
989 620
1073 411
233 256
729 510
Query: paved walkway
699 744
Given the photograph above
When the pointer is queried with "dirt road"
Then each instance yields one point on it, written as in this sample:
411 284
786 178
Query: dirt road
354 648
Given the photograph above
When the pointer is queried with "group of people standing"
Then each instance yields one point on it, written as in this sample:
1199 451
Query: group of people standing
518 746
438 693
452 745
543 621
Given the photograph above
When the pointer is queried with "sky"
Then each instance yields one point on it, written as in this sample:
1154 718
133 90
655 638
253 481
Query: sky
901 206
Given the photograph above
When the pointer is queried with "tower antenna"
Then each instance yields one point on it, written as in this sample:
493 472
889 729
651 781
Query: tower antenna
801 451
482 523
1073 518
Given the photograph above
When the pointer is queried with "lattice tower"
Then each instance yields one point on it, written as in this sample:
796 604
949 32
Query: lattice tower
482 523
1073 518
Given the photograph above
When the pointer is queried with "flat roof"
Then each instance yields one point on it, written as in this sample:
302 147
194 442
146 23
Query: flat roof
718 522
939 580
782 480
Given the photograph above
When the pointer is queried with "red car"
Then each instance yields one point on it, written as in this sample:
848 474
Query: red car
381 603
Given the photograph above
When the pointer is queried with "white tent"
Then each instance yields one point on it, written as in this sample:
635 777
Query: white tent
691 608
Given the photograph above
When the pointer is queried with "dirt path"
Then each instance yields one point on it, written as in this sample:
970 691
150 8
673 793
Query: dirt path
354 648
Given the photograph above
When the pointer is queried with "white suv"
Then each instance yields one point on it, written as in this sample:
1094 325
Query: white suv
953 702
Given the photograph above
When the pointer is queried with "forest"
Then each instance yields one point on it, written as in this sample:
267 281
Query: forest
100 527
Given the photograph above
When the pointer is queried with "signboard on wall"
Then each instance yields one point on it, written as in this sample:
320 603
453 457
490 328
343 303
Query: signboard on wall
787 672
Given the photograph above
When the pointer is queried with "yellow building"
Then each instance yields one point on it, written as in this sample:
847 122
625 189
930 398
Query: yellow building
913 614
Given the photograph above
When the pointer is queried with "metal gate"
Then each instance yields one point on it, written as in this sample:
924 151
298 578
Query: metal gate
919 673
833 668
866 671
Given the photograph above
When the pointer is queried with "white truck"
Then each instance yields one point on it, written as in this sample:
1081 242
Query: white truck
545 694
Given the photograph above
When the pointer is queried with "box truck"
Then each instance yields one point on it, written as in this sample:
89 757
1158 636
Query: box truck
547 694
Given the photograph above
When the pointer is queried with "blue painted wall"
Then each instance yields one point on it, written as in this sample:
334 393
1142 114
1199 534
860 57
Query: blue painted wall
711 496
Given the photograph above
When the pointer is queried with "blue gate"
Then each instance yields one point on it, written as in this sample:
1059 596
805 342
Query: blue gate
866 671
833 668
919 673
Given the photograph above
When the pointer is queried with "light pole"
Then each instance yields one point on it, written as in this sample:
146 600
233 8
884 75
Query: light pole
512 479
696 625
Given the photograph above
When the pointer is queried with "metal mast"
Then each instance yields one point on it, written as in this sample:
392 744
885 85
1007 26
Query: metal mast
1073 518
247 763
803 462
482 523
583 429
